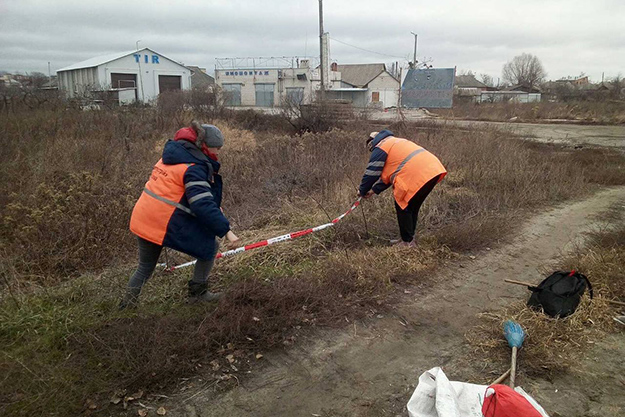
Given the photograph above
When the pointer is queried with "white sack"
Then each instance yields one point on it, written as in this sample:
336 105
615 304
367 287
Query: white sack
436 396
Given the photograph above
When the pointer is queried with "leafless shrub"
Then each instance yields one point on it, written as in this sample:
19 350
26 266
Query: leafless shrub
318 116
71 178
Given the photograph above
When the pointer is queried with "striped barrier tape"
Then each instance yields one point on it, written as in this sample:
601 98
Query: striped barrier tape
278 239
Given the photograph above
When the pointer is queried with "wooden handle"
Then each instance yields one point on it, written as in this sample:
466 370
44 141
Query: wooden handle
513 368
511 281
502 377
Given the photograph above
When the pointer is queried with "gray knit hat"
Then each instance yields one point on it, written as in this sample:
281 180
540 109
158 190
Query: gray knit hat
213 137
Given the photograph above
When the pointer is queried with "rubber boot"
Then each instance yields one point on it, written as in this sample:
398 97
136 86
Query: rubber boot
198 292
131 298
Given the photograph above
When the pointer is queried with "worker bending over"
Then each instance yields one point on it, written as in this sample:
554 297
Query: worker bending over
410 169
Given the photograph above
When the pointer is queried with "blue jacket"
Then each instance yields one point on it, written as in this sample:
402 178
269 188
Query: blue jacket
371 177
195 234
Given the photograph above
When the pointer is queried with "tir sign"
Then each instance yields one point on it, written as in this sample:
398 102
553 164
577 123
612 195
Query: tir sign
146 58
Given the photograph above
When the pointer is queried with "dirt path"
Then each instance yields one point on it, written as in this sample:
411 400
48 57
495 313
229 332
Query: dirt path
370 368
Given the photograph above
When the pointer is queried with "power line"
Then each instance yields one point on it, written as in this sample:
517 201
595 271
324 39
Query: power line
368 50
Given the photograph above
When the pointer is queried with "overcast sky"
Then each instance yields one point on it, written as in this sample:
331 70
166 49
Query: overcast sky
568 36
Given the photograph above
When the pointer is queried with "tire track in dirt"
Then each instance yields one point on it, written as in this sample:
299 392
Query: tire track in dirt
371 367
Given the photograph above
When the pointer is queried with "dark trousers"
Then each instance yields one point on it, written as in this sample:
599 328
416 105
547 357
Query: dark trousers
148 258
407 218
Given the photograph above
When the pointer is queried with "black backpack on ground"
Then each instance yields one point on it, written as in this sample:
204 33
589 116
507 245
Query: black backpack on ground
560 293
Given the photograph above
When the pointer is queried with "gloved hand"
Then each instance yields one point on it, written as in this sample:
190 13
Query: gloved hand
369 194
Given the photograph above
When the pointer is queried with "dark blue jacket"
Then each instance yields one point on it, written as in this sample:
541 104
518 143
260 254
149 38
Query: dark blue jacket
371 178
195 234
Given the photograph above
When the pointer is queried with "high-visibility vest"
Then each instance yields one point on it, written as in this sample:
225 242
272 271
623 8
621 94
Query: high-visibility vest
408 167
160 198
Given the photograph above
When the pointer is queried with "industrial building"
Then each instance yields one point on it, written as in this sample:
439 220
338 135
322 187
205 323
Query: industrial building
262 82
268 82
139 75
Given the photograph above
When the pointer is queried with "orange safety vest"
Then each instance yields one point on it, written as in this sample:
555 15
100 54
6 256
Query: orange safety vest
160 198
408 167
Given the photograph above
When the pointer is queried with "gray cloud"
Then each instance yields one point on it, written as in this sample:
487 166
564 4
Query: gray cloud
568 36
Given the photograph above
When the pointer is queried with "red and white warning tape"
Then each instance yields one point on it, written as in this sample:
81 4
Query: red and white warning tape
267 242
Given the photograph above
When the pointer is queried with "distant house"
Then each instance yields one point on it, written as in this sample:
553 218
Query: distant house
51 84
200 79
469 88
575 80
8 80
524 88
512 96
365 84
469 81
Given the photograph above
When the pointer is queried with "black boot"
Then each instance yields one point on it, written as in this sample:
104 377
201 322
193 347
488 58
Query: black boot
131 299
199 292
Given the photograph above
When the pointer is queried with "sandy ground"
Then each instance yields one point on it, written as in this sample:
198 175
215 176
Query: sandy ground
562 133
371 367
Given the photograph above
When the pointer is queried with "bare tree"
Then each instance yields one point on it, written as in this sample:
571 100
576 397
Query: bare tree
487 79
36 79
524 69
466 72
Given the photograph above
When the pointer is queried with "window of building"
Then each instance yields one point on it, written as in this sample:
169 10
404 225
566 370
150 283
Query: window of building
169 83
120 80
232 93
295 95
375 96
264 95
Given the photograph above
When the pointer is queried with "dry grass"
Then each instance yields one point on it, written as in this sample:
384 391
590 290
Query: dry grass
72 178
555 345
587 112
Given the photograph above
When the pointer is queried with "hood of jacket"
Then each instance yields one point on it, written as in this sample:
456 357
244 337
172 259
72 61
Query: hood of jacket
380 136
185 152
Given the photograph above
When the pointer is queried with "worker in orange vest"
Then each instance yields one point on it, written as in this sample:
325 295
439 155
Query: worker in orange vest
409 169
179 208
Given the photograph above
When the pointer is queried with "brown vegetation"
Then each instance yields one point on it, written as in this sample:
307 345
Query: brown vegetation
71 178
556 345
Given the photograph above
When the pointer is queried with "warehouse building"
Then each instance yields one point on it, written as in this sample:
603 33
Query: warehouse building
129 76
361 85
260 82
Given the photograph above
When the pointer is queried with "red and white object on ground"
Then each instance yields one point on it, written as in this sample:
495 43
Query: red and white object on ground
503 401
278 239
437 396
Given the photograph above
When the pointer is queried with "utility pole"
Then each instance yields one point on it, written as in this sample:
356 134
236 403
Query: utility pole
414 59
322 58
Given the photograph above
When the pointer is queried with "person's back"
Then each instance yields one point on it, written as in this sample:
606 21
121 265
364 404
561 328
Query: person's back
411 170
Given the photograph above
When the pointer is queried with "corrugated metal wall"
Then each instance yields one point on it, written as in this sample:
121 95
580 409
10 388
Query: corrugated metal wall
74 82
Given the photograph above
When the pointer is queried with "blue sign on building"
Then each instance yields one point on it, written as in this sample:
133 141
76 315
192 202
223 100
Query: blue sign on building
247 73
430 87
146 58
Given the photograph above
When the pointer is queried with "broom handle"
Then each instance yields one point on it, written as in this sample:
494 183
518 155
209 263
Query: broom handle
511 281
502 377
527 284
513 367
